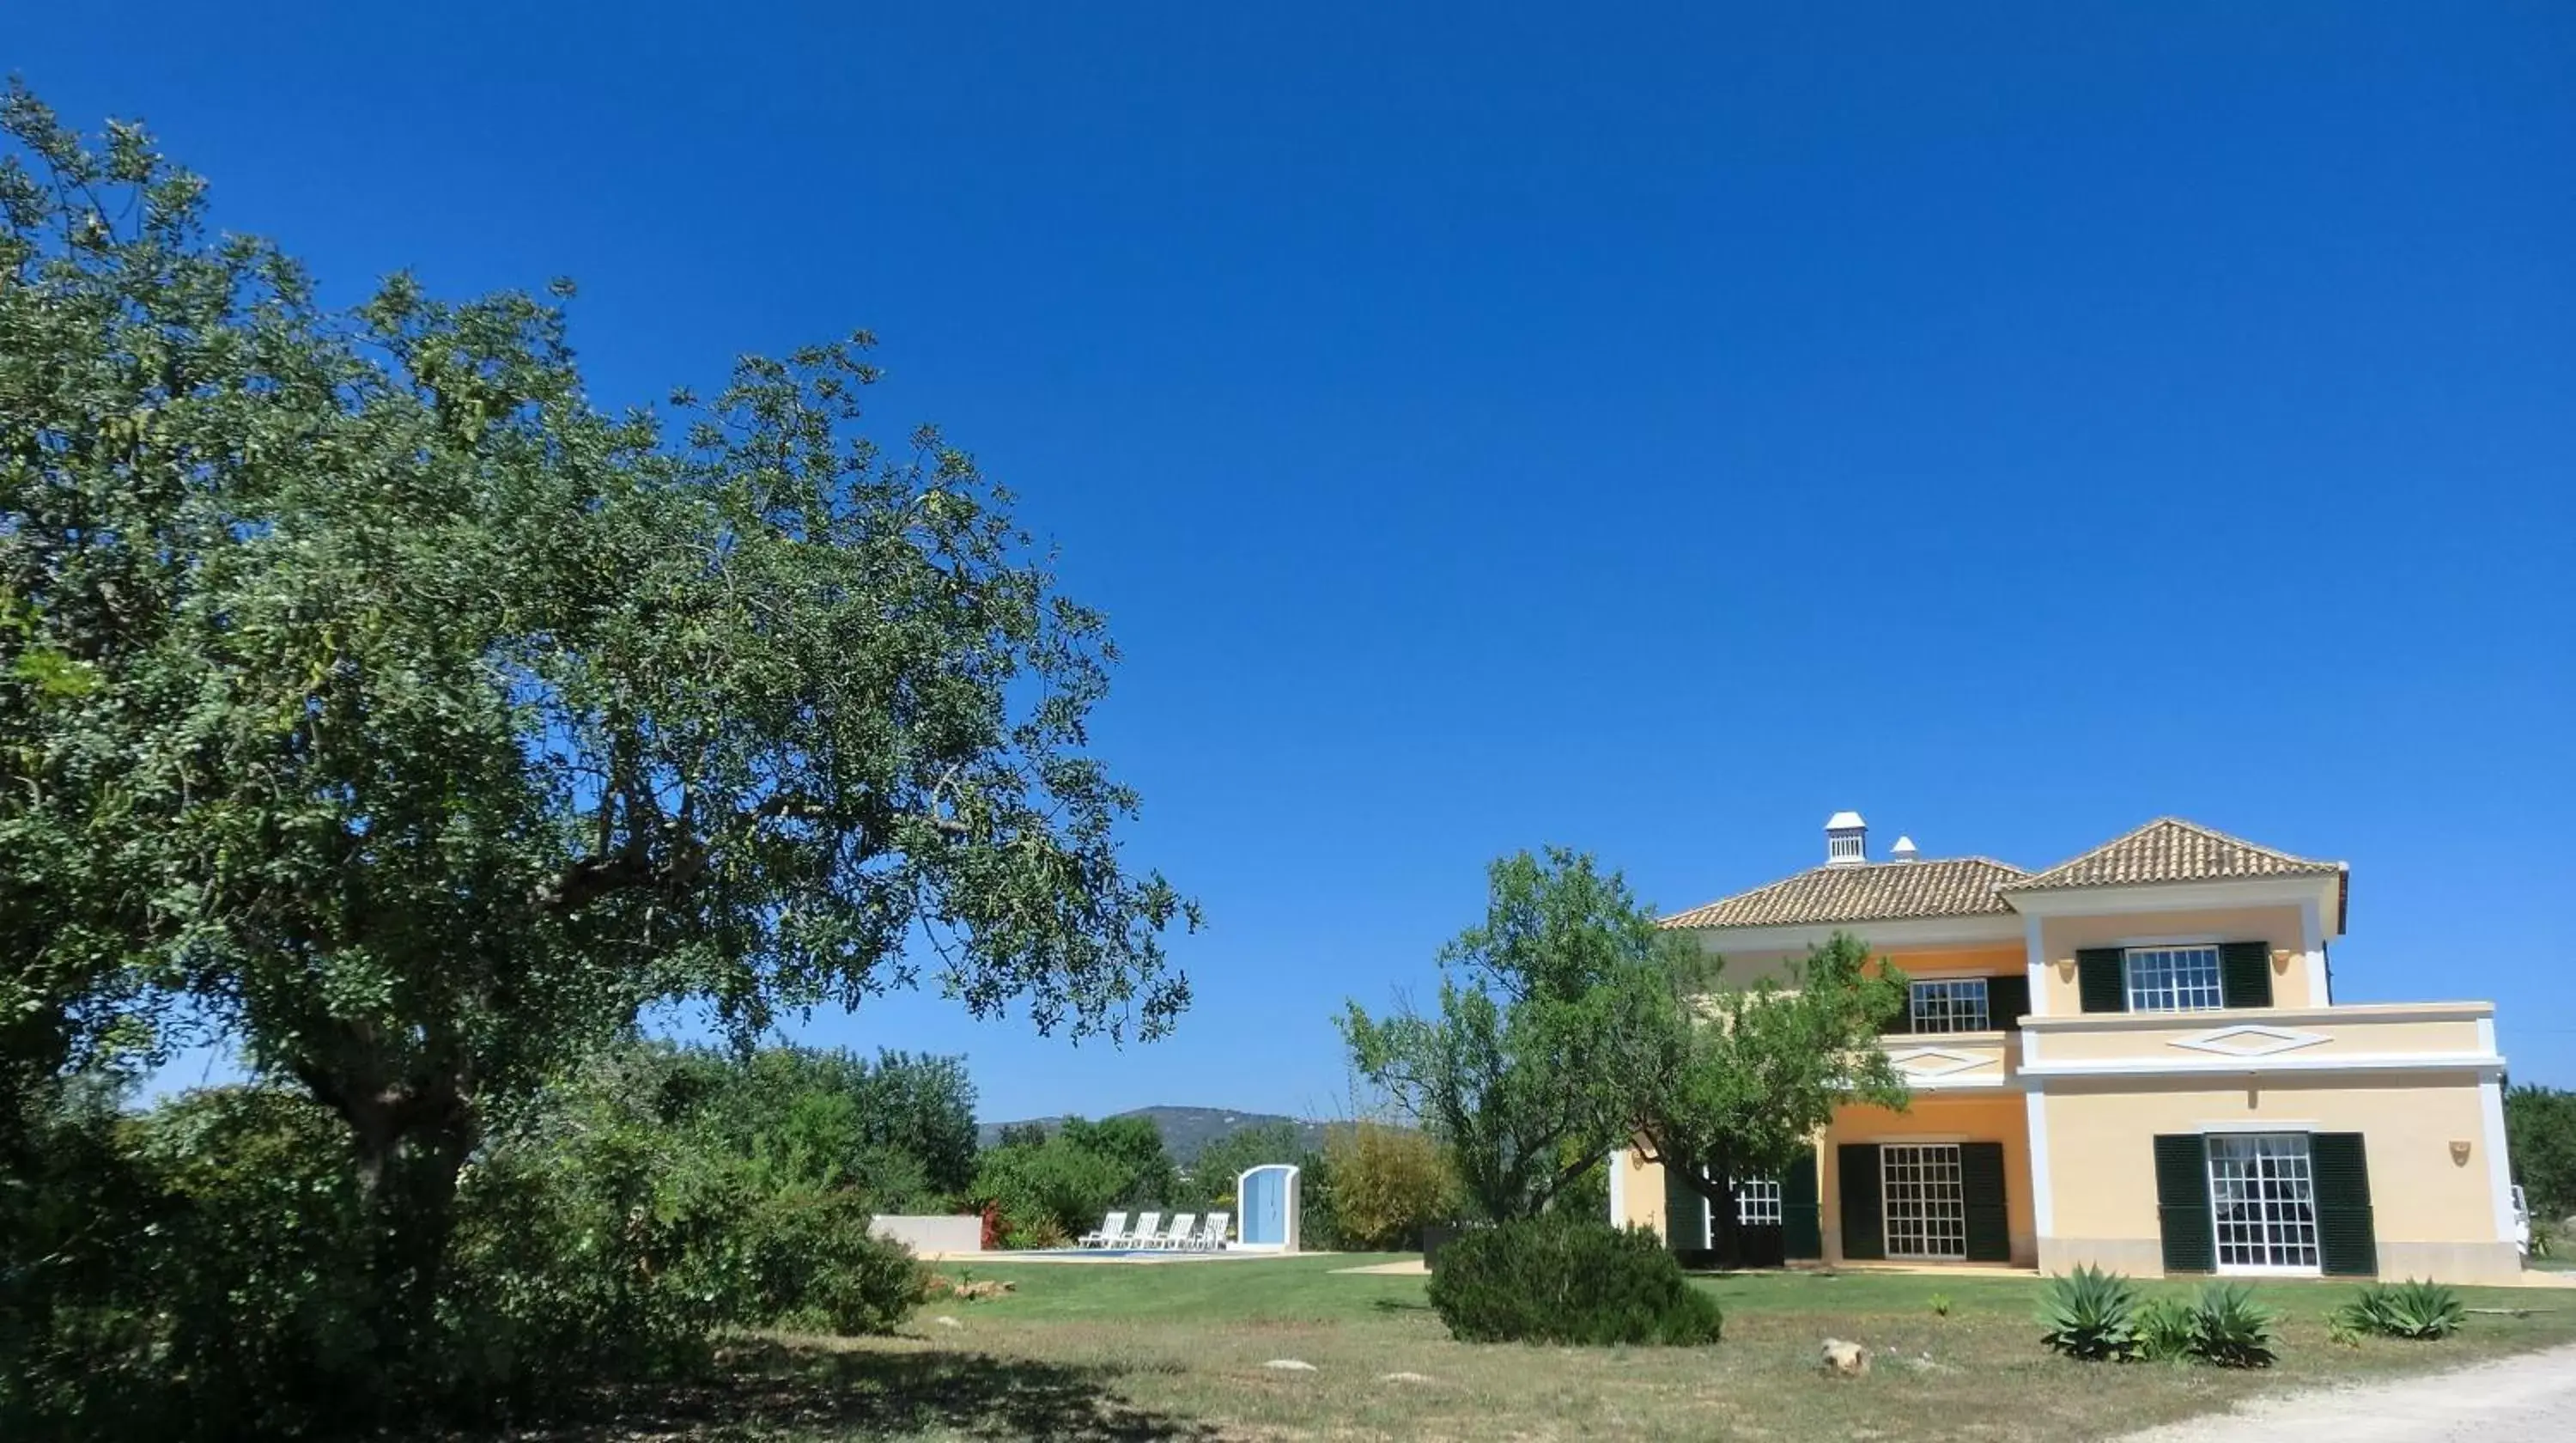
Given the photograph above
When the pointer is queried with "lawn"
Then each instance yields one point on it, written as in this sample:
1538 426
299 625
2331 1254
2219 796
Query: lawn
1178 1351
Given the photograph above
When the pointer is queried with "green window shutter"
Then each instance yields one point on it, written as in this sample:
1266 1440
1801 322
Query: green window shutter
1685 1212
1864 1232
2102 980
2182 1203
2347 1244
2007 998
1981 1187
1801 1226
2245 974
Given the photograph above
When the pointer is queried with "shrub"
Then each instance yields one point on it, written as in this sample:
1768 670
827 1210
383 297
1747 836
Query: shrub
1563 1279
1940 1305
2230 1329
1387 1183
2164 1328
2090 1314
2423 1311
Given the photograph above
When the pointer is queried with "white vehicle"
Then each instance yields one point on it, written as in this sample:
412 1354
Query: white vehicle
2521 1222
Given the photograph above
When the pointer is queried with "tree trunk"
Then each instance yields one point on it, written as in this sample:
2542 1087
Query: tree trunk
1725 1235
410 1144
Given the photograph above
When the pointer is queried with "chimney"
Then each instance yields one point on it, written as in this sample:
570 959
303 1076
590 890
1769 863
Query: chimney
1846 840
1903 851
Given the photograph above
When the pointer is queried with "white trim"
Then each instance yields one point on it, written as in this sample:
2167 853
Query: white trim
2281 1040
1619 1187
2499 1165
2246 1066
2043 1193
2312 942
2486 1033
2313 1016
2316 1223
2170 896
1891 936
2035 952
2188 939
2249 1270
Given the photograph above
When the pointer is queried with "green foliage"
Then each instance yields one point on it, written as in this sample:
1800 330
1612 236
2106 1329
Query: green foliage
1053 1187
1387 1183
2230 1329
900 1130
1210 1185
1563 1279
2166 1325
1740 1081
369 697
2540 1126
2091 1315
1940 1305
2424 1311
1520 1070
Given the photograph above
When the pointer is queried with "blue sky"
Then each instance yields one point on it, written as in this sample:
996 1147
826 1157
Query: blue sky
1647 430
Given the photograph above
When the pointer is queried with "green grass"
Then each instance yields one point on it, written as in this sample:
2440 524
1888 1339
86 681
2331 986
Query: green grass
1118 1352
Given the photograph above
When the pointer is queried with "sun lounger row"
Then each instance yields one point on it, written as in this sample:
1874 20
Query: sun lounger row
1184 1235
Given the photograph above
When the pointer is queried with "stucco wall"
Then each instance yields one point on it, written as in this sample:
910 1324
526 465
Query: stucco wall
931 1233
2281 926
1987 1117
2432 1213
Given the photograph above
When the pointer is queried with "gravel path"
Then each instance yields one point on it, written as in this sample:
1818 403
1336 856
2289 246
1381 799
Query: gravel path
2529 1399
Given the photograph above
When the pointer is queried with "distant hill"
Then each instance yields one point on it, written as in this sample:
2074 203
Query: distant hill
1185 1129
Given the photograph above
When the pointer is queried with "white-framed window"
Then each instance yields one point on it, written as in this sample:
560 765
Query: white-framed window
2263 1202
1956 1005
2174 979
1925 1207
1757 1203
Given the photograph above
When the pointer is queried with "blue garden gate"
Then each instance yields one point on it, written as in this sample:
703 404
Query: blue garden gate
1267 1196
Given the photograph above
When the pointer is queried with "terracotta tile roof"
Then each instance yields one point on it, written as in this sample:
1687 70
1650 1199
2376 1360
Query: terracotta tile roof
2170 849
1871 892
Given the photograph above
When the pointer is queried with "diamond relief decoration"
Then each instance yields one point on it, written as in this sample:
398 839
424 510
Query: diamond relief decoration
1931 1062
2249 1040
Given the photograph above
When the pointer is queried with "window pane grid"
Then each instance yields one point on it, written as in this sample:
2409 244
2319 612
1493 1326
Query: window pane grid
1955 1006
2174 979
2262 1196
1926 1212
1757 1203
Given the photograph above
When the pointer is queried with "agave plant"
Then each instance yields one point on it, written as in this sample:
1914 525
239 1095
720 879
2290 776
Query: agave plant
2165 1328
2090 1314
2230 1329
2421 1310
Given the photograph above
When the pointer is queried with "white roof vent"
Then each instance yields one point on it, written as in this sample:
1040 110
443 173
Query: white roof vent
1903 851
1846 840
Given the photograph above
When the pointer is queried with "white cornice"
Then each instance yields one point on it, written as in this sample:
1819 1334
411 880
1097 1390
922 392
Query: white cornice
2255 1066
2176 896
2277 1016
1897 935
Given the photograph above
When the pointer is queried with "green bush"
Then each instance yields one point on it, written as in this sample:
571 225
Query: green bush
2230 1329
2091 1315
1563 1279
2423 1311
2165 1328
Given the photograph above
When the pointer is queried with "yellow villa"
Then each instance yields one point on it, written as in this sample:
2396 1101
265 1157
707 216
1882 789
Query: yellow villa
2132 1059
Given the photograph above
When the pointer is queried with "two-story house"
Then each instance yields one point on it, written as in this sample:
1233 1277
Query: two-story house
2132 1059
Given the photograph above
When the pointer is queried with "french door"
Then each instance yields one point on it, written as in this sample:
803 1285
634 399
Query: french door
1926 1207
2263 1201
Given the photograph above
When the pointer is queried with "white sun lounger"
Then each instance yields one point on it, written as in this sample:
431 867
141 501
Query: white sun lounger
1149 1228
1184 1226
1112 1232
1212 1233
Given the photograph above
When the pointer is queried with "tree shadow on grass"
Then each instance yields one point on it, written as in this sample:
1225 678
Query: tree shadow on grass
1400 1305
768 1389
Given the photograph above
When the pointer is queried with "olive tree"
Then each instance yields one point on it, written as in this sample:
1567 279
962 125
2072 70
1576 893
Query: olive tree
374 700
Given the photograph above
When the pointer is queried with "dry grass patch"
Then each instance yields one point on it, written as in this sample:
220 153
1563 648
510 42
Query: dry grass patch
1179 1352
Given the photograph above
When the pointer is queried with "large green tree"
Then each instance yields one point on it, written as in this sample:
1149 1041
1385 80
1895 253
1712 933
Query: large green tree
1734 1083
2540 1125
1521 1069
372 699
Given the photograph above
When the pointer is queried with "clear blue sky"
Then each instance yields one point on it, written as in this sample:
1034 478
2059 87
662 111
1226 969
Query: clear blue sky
1647 432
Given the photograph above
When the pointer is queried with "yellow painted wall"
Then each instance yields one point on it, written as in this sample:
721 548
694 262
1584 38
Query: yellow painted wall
2434 1215
2150 1037
2061 937
1997 1116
